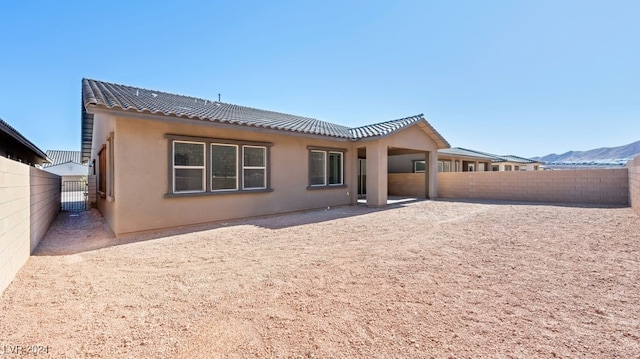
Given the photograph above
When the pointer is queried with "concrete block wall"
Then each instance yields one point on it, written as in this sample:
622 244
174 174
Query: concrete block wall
406 184
44 204
633 167
28 205
596 186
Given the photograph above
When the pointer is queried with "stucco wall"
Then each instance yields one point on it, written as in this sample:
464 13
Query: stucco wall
406 184
103 126
29 202
598 186
634 184
404 163
141 180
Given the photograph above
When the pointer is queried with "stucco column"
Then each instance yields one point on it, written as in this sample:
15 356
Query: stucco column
354 176
432 182
376 175
427 174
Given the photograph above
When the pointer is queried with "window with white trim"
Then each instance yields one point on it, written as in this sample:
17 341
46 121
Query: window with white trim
420 166
318 168
200 165
224 167
335 168
326 168
188 167
254 167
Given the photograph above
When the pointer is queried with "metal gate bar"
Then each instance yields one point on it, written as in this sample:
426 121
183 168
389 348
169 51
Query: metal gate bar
74 196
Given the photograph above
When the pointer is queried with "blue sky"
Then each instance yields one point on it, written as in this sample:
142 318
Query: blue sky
508 77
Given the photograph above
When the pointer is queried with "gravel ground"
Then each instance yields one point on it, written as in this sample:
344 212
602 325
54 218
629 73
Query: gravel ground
426 279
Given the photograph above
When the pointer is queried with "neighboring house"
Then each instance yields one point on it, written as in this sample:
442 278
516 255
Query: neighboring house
459 159
515 163
474 161
68 165
15 146
165 160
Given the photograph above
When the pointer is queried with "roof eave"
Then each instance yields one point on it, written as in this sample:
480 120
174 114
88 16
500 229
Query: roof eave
17 136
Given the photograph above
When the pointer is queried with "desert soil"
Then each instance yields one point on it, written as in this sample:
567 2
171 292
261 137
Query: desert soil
426 279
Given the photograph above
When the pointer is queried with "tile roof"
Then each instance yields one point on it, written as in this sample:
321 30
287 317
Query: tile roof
389 127
99 94
459 151
128 98
17 136
517 159
58 157
383 128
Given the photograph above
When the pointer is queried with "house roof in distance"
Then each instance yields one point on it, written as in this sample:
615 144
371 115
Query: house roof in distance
459 151
12 135
464 152
517 159
109 96
61 156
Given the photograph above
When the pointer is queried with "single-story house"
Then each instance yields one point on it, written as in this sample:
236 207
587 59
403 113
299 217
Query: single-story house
66 164
454 159
458 159
515 163
473 160
164 160
14 146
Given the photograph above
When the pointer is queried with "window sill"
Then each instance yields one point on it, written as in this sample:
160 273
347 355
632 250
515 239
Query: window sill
217 193
327 187
102 194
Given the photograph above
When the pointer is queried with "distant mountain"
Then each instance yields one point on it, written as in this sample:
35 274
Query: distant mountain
600 154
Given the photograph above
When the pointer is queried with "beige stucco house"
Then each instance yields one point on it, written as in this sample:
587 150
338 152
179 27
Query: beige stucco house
66 164
466 160
455 159
460 159
163 160
516 163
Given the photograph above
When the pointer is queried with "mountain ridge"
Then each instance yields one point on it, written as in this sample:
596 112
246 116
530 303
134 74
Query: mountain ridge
604 153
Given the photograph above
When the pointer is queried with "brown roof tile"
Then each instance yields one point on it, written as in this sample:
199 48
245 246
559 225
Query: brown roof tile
99 94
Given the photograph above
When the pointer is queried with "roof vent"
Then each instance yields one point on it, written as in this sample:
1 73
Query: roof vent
154 95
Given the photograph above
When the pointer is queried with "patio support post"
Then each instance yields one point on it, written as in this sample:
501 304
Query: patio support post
427 173
432 183
376 175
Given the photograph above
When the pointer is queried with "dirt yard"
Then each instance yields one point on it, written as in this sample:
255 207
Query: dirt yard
426 279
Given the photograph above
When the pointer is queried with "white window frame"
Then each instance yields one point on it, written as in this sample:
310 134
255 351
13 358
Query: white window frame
415 170
203 167
264 148
236 166
324 169
327 171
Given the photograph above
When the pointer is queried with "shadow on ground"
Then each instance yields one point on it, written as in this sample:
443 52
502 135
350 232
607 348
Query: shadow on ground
77 232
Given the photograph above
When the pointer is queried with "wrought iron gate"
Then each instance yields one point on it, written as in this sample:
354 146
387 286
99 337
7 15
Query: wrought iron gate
74 196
